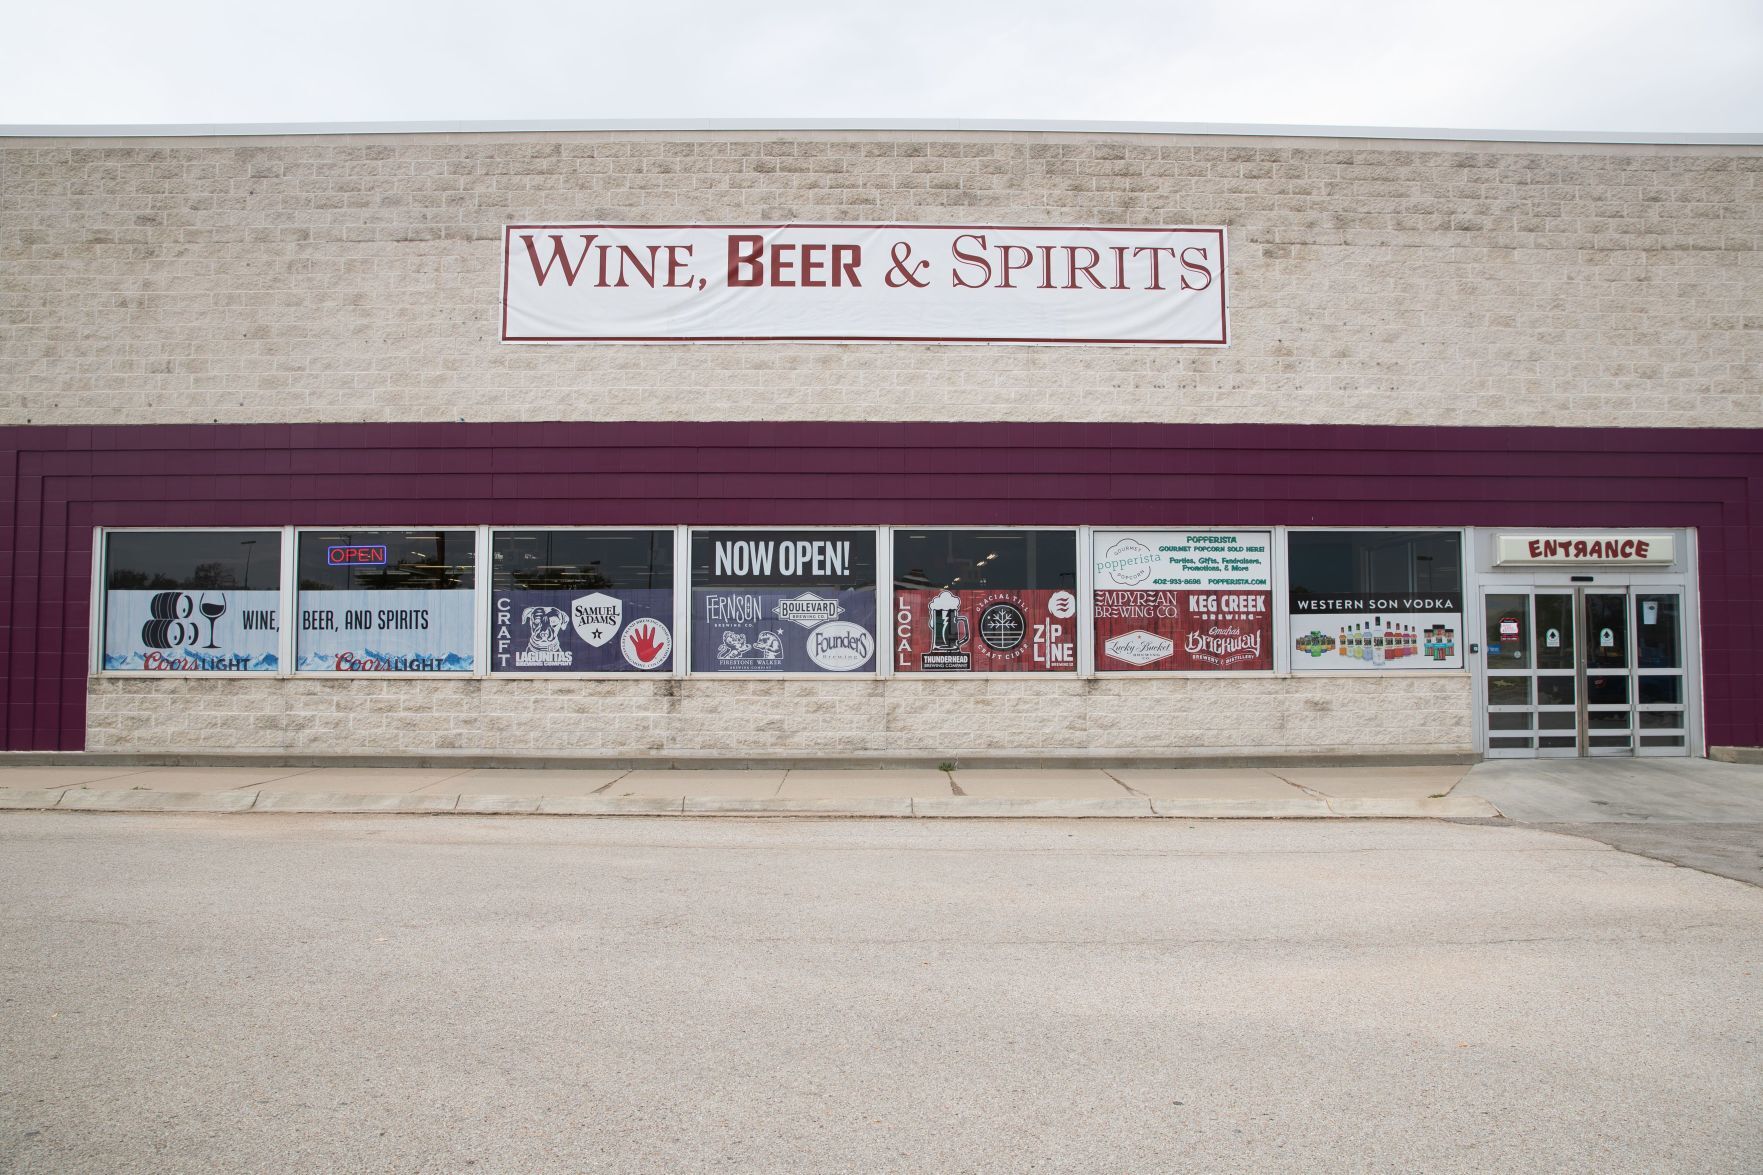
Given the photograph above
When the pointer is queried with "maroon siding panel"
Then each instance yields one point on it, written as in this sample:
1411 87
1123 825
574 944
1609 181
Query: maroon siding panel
60 482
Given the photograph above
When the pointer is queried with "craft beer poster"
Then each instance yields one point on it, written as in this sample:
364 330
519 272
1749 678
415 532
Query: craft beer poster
987 630
1183 601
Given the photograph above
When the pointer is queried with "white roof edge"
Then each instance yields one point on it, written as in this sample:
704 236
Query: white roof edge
1067 126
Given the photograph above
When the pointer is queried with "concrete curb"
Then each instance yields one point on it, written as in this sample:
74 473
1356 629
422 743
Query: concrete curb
1045 808
289 801
31 797
1442 808
1293 809
610 805
81 799
927 807
799 806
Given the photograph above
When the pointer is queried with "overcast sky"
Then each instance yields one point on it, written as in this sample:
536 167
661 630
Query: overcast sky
1644 65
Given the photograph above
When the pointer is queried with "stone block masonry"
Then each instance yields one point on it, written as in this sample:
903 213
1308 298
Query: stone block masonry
1164 717
346 278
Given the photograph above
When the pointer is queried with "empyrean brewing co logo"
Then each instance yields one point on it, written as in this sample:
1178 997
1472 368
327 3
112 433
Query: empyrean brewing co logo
1138 647
840 646
1127 563
807 610
1002 624
646 643
544 630
596 617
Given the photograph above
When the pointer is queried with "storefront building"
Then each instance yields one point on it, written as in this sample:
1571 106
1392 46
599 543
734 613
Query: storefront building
917 444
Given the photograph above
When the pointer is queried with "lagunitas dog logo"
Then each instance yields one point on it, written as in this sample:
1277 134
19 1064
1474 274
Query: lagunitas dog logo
807 610
646 644
545 626
596 617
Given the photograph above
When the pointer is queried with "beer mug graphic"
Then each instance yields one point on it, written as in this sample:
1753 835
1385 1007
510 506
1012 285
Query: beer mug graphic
948 628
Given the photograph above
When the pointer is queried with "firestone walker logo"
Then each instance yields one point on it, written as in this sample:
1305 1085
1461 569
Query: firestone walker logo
807 610
646 644
1128 563
596 617
544 629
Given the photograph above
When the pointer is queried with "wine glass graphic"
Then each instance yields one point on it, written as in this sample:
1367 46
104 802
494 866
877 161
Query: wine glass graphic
213 607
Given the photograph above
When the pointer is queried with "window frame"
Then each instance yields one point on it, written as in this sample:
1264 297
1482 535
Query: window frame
1467 584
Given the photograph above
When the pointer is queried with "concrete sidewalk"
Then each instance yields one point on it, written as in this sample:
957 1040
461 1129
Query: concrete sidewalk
1247 793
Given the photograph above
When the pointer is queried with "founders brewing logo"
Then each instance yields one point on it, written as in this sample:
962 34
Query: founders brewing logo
1002 626
544 626
840 646
807 610
646 643
1128 562
596 617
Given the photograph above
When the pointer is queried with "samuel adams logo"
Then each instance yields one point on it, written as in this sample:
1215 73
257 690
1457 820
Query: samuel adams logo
596 617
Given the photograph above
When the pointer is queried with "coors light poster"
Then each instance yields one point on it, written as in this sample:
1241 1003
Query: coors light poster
985 630
1183 600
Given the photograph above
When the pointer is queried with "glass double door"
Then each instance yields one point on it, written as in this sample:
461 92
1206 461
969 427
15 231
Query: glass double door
1585 671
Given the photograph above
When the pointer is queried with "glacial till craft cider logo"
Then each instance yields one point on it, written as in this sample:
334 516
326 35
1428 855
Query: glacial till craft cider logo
1002 626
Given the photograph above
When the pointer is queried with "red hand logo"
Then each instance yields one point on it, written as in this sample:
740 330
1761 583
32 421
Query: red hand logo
646 644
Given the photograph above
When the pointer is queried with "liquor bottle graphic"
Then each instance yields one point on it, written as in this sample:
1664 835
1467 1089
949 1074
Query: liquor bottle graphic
1377 650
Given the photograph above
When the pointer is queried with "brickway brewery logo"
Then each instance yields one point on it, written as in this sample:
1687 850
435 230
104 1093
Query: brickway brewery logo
646 643
807 610
1128 563
1139 647
840 646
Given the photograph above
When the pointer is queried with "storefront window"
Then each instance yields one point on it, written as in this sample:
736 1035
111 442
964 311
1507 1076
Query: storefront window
776 601
1185 601
386 601
985 601
1376 599
581 601
192 601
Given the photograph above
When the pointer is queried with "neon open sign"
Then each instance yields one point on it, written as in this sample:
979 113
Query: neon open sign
371 555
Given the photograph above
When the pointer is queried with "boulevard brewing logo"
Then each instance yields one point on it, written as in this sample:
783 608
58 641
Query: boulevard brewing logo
807 610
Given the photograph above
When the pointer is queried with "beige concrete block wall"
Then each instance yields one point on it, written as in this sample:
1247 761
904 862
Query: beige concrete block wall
1376 282
944 718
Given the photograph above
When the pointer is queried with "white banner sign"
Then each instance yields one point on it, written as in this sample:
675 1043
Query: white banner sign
215 631
385 631
857 283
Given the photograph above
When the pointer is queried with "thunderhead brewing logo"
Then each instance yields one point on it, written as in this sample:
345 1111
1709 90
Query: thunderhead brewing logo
596 617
